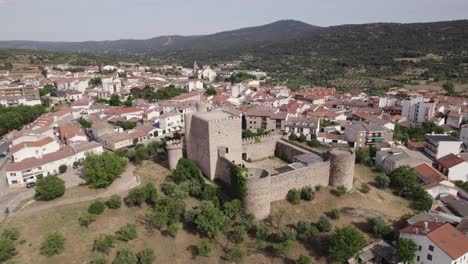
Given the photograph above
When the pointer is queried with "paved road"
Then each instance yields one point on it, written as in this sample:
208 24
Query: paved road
127 180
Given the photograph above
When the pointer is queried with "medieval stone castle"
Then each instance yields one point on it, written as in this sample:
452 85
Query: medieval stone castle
213 140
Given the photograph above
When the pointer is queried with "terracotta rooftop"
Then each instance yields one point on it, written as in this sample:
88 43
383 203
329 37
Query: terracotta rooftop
449 161
429 174
122 111
32 144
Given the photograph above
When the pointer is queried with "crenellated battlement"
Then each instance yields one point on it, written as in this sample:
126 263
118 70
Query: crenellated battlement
222 120
174 144
259 139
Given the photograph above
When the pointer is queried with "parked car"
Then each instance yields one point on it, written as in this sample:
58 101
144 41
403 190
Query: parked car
3 154
30 185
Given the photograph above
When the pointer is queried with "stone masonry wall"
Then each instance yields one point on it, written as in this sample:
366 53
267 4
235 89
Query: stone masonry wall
258 148
287 151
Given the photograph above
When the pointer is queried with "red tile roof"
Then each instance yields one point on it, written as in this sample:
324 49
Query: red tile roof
33 144
429 174
449 161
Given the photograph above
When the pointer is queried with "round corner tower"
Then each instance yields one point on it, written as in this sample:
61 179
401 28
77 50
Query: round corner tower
257 201
342 168
174 152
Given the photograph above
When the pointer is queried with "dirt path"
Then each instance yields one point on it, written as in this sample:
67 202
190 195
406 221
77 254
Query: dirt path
127 181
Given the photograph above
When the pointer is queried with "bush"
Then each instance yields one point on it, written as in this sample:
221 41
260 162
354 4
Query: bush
303 259
238 234
324 224
305 231
146 256
302 138
233 208
318 188
99 259
234 254
314 143
126 233
293 137
54 244
114 202
382 181
135 197
211 220
101 170
378 227
344 243
172 229
365 188
294 196
282 249
288 234
104 243
335 214
86 219
50 187
97 207
307 193
63 169
125 256
340 190
204 248
7 249
11 233
262 231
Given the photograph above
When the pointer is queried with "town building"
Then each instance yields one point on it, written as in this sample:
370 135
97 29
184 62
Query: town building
362 134
438 146
452 166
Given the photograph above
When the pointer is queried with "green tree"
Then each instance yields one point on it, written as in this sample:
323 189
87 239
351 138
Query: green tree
449 89
115 100
63 169
307 193
302 138
238 234
210 91
54 244
382 180
303 259
305 231
407 250
101 170
362 156
282 249
344 243
211 219
335 214
378 227
233 208
293 137
85 123
135 197
7 249
50 187
234 254
172 228
146 256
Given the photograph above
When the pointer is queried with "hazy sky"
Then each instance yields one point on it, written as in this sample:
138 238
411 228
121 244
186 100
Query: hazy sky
76 20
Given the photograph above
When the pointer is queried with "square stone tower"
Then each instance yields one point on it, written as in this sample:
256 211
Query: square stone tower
212 137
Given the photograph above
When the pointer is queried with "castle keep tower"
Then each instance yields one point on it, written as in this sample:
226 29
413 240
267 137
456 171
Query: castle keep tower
212 137
342 168
258 199
174 152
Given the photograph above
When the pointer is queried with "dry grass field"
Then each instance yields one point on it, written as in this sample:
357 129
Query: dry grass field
79 240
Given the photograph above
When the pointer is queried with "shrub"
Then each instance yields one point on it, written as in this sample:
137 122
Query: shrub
238 234
63 169
99 259
382 181
97 207
126 233
365 188
305 231
101 170
303 259
172 229
335 214
11 233
53 244
211 220
307 193
344 243
125 256
340 191
86 219
302 138
262 231
324 224
146 256
282 249
76 164
204 248
318 188
288 234
114 202
7 249
50 187
234 254
294 196
293 137
378 227
314 143
233 208
104 243
135 197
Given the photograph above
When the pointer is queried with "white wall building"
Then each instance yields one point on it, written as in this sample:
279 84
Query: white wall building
438 243
438 146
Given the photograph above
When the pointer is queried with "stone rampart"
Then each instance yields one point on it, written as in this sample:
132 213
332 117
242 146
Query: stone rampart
342 168
260 147
286 151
